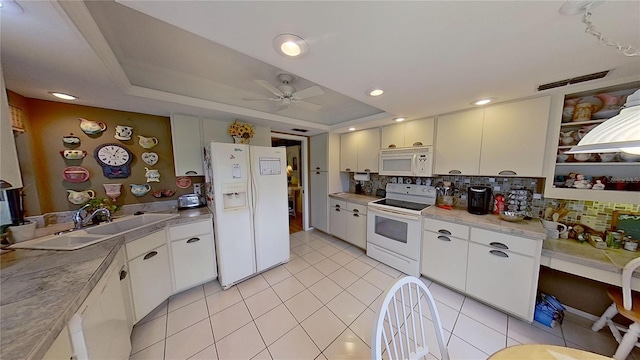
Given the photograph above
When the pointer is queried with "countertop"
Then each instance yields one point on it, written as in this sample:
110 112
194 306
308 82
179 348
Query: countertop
42 289
361 199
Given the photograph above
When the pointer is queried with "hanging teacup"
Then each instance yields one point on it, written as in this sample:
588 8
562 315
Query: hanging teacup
152 175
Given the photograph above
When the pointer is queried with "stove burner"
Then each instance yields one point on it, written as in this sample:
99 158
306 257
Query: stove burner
402 204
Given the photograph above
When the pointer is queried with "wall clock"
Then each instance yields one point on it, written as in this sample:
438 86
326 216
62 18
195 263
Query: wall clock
114 159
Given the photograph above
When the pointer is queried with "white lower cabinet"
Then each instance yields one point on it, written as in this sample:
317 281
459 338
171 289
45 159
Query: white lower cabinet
150 271
192 254
444 252
101 329
61 347
503 271
349 222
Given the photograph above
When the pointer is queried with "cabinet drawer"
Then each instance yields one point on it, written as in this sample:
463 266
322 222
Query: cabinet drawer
446 228
503 241
190 229
338 204
357 208
145 244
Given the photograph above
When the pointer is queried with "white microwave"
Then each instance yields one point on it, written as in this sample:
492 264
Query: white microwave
415 161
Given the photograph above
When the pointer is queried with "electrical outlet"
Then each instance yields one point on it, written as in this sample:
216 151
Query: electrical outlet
537 196
492 179
496 188
197 188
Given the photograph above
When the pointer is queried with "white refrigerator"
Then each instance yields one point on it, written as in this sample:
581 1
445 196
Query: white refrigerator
246 188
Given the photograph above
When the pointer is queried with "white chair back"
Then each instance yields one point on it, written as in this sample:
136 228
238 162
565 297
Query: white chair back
399 330
627 273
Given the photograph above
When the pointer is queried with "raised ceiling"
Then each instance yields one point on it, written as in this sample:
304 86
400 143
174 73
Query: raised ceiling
203 57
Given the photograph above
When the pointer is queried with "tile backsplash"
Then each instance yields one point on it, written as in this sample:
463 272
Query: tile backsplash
597 215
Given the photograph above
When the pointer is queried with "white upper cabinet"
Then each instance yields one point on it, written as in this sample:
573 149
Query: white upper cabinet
501 140
348 152
359 151
458 142
514 138
187 145
412 133
10 170
318 152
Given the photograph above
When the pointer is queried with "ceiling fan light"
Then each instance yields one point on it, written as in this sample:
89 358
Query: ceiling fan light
619 133
290 45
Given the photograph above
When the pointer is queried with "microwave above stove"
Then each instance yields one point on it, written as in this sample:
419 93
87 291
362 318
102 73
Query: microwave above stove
415 161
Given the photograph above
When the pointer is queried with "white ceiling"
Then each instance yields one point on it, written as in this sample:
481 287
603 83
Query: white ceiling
202 57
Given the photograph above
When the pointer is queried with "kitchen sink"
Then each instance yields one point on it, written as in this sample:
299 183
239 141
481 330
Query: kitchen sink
127 223
90 235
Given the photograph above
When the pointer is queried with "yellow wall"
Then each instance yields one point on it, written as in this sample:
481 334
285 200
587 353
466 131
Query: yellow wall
42 164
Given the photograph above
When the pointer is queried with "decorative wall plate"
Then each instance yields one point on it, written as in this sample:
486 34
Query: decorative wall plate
75 174
150 158
183 182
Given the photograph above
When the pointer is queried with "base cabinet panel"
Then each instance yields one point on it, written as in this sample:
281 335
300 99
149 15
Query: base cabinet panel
501 278
357 230
150 279
444 259
194 259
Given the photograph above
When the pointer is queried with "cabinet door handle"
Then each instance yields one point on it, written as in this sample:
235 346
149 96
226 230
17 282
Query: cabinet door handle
317 172
192 240
456 172
499 245
317 167
356 215
123 274
150 255
507 172
443 231
337 205
347 169
367 170
356 210
190 172
337 209
499 253
443 238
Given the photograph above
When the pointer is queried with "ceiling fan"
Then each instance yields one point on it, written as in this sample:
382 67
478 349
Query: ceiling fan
287 94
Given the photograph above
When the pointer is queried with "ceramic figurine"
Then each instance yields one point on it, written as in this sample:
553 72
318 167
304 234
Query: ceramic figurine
147 142
73 154
598 185
71 140
123 132
581 182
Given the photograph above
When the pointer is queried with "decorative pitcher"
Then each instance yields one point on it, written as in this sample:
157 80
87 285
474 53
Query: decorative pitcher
80 197
147 142
152 175
92 127
140 190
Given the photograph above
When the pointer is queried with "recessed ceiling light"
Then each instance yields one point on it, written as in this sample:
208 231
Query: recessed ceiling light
10 7
352 129
483 101
290 45
63 96
398 119
376 92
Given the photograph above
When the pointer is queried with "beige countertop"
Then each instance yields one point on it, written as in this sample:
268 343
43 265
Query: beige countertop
361 199
527 228
42 289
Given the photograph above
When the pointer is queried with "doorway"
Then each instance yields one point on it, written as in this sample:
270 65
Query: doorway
297 182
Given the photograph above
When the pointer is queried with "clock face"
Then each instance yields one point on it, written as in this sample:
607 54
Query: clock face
114 160
113 155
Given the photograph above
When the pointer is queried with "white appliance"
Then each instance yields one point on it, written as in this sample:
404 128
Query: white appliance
394 226
246 190
415 161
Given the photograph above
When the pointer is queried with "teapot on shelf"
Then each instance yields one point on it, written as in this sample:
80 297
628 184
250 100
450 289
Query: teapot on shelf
80 197
566 137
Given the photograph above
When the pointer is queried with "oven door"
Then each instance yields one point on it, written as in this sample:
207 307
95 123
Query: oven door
395 231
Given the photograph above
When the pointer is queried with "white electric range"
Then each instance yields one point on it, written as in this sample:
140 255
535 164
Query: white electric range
394 226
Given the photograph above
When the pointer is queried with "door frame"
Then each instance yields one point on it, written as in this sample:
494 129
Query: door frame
304 154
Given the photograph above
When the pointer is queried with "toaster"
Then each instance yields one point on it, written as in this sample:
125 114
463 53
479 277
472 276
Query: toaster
190 201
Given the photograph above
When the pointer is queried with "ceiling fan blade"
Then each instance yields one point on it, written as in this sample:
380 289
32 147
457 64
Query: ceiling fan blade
312 91
308 106
283 106
252 99
271 88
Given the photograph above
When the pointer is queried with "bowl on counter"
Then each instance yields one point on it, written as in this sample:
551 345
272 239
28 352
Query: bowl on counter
511 216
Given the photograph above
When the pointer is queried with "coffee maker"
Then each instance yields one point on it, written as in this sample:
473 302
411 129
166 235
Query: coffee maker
479 200
11 207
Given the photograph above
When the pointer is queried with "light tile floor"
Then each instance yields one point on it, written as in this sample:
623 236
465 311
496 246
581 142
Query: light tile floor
321 305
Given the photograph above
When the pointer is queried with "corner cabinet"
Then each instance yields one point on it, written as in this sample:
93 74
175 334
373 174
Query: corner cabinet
502 140
187 148
615 175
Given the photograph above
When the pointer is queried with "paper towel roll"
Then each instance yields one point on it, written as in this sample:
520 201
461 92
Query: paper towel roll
361 176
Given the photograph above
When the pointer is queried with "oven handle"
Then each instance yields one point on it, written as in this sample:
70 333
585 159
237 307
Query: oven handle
394 213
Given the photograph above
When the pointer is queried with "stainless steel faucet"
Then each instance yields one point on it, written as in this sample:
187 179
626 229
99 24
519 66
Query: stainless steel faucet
79 222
